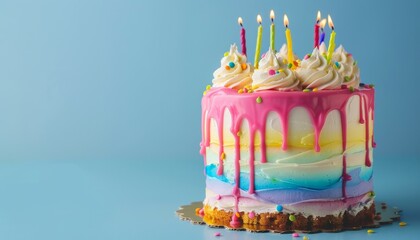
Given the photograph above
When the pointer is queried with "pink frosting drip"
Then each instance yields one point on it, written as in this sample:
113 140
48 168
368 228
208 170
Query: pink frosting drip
244 106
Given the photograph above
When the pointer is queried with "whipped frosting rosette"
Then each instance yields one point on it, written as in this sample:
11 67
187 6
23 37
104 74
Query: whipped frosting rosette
282 53
322 48
273 75
234 71
347 67
315 72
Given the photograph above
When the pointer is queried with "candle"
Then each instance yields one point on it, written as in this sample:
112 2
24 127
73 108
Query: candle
243 39
316 30
288 40
272 31
322 25
331 45
259 37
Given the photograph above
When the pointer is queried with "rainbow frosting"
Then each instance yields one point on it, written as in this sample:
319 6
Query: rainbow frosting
293 139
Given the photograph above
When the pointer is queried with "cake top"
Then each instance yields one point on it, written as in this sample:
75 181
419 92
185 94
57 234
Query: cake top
326 68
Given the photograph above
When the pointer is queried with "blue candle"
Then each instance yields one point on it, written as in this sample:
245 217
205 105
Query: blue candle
322 25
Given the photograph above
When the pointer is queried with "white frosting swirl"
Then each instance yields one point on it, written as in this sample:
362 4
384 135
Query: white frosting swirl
348 70
235 77
315 72
283 53
322 48
273 75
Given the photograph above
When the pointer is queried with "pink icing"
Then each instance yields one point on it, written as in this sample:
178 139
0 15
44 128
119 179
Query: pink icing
244 106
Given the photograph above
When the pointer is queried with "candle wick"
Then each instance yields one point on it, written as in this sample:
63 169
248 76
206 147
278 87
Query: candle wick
332 28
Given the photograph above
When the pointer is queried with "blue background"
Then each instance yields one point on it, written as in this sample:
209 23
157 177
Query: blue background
100 109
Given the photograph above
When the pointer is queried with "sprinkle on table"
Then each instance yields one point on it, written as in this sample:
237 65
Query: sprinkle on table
295 235
403 224
217 234
370 231
305 238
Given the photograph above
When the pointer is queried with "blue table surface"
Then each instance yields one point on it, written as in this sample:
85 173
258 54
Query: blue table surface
137 199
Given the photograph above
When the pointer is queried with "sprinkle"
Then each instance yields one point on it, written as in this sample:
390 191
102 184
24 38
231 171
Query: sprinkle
351 88
306 90
240 91
371 85
277 72
289 65
244 66
204 93
292 218
296 63
259 100
279 208
201 212
263 55
218 197
271 72
245 90
349 55
227 67
315 90
251 214
250 91
307 56
346 79
239 133
403 224
305 238
226 54
355 63
344 86
217 234
231 64
370 231
223 156
281 70
237 214
208 87
295 235
337 64
372 193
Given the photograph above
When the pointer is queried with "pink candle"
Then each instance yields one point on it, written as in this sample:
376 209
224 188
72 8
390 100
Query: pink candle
243 40
316 30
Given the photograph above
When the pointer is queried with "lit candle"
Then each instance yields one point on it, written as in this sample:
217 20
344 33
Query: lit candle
331 45
258 47
288 40
316 30
243 39
272 31
322 25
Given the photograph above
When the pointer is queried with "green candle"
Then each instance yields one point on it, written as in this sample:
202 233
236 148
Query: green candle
258 47
331 45
272 31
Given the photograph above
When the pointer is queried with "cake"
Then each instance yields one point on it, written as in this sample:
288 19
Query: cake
288 146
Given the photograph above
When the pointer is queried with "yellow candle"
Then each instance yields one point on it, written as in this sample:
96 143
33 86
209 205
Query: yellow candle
331 45
258 47
288 40
272 31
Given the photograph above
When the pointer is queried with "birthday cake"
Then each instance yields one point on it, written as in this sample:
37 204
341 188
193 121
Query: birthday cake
287 143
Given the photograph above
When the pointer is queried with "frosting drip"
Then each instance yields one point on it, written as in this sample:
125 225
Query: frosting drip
315 72
234 71
348 68
272 74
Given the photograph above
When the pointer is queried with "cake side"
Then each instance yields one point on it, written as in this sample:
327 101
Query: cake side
297 153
